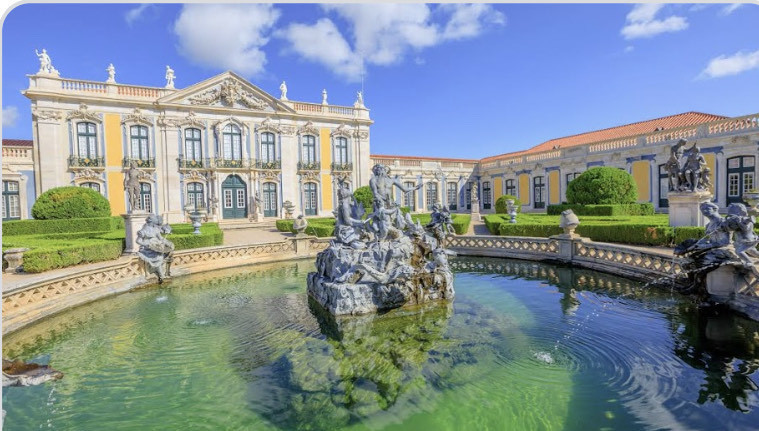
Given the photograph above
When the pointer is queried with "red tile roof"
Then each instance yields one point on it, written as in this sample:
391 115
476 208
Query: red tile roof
633 129
17 142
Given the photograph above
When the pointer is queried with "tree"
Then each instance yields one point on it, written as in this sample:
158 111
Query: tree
70 202
602 185
364 196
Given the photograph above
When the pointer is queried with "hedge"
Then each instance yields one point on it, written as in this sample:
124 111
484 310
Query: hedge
502 208
460 221
82 251
325 227
70 202
31 227
642 209
183 237
539 230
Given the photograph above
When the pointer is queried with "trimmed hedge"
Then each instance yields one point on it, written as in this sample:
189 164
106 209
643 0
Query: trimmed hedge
502 208
69 203
460 221
31 227
325 227
82 251
602 185
642 209
539 230
183 238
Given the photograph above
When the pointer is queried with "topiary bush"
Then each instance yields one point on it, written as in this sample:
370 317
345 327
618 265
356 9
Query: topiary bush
602 185
365 197
70 202
501 207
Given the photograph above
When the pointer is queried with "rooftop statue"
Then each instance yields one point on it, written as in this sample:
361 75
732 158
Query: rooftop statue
46 65
382 260
169 77
283 89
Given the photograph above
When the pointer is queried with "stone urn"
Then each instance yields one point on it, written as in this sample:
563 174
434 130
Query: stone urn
15 259
512 210
569 222
195 218
289 209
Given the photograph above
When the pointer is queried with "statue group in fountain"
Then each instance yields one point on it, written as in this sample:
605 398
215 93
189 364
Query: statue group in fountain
686 169
382 260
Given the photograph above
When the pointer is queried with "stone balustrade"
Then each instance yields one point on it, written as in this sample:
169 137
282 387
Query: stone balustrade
329 110
18 154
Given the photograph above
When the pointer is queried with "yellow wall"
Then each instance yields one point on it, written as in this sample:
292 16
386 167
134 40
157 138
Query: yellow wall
114 154
553 187
497 188
711 161
326 160
641 173
524 189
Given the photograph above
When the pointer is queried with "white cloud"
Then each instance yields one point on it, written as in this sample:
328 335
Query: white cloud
629 48
731 65
136 13
727 10
382 34
642 22
10 116
227 36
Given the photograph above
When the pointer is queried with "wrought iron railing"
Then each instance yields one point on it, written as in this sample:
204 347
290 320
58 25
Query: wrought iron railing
268 165
140 163
342 166
192 164
86 162
231 163
309 166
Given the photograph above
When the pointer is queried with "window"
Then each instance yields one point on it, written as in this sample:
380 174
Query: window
195 195
138 136
86 137
486 196
309 199
409 199
232 142
468 196
572 176
432 197
192 150
663 186
341 150
539 192
146 201
11 201
268 148
308 150
511 188
740 177
452 196
93 186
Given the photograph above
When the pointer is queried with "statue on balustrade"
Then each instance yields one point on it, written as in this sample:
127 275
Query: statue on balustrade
155 250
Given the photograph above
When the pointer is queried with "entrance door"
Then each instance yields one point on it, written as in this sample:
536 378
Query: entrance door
270 200
309 199
234 193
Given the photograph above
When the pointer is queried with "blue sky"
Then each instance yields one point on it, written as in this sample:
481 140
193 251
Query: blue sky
450 81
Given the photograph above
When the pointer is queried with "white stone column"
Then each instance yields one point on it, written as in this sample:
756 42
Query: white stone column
290 183
51 153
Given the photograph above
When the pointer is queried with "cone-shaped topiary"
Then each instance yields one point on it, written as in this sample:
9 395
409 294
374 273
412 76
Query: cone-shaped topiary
70 202
602 185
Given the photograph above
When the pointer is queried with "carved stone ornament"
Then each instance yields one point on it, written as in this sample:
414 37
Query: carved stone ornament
268 126
361 134
144 176
217 125
191 120
287 130
229 93
342 177
137 117
309 176
87 175
308 129
164 121
268 175
83 113
47 114
194 175
341 130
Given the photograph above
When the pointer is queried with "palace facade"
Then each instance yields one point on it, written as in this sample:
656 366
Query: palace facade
229 149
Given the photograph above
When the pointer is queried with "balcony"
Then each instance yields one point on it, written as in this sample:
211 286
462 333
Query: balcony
231 163
140 163
342 167
274 165
309 166
185 164
86 162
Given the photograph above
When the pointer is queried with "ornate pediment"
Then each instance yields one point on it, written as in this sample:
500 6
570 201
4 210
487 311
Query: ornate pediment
341 130
227 90
87 175
310 176
229 120
137 117
194 175
268 126
83 113
308 129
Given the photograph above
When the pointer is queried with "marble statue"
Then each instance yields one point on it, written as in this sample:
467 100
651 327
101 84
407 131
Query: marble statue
283 89
132 187
383 260
300 224
111 74
324 96
155 250
46 65
569 222
359 100
169 77
686 169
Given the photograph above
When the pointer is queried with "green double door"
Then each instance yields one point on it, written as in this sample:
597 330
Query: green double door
234 195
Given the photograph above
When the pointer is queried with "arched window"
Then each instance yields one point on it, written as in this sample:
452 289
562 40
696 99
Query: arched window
192 147
232 142
91 185
487 198
11 201
341 150
146 199
310 203
268 148
86 138
432 196
452 196
409 199
308 150
138 137
195 195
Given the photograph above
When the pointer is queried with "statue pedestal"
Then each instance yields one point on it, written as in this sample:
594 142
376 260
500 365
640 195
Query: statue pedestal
132 224
684 208
476 210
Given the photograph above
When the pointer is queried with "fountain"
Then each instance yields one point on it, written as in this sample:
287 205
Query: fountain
384 260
